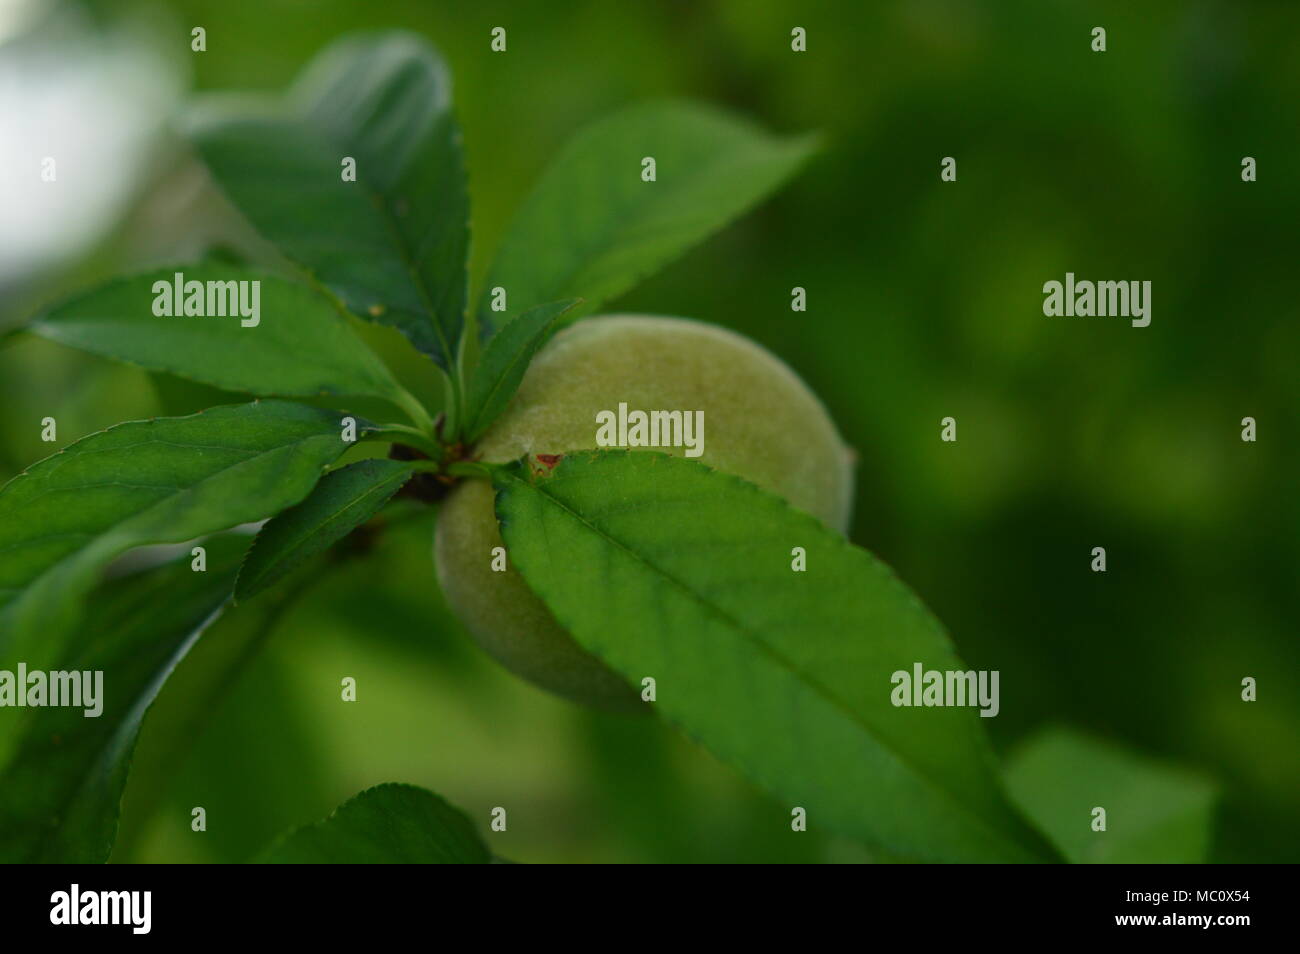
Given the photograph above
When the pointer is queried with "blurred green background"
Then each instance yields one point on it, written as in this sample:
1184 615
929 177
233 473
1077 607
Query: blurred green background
924 301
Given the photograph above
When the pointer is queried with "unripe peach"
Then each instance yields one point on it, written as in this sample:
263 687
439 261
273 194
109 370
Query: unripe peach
760 422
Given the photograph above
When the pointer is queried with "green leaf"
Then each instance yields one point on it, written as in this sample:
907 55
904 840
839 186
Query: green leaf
387 824
665 568
592 228
342 501
59 798
300 347
1155 814
393 244
166 480
503 363
225 662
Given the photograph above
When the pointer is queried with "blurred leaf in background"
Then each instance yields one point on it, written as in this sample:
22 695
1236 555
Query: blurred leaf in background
387 824
1102 805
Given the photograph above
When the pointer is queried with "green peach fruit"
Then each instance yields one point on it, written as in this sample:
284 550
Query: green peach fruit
761 423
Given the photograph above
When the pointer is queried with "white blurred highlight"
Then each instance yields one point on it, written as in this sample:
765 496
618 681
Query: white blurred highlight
90 99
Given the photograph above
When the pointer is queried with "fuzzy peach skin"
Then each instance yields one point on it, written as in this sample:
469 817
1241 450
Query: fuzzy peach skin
760 422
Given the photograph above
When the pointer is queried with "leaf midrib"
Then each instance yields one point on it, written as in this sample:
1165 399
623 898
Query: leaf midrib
582 258
98 538
499 379
388 216
376 374
817 687
332 517
167 667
